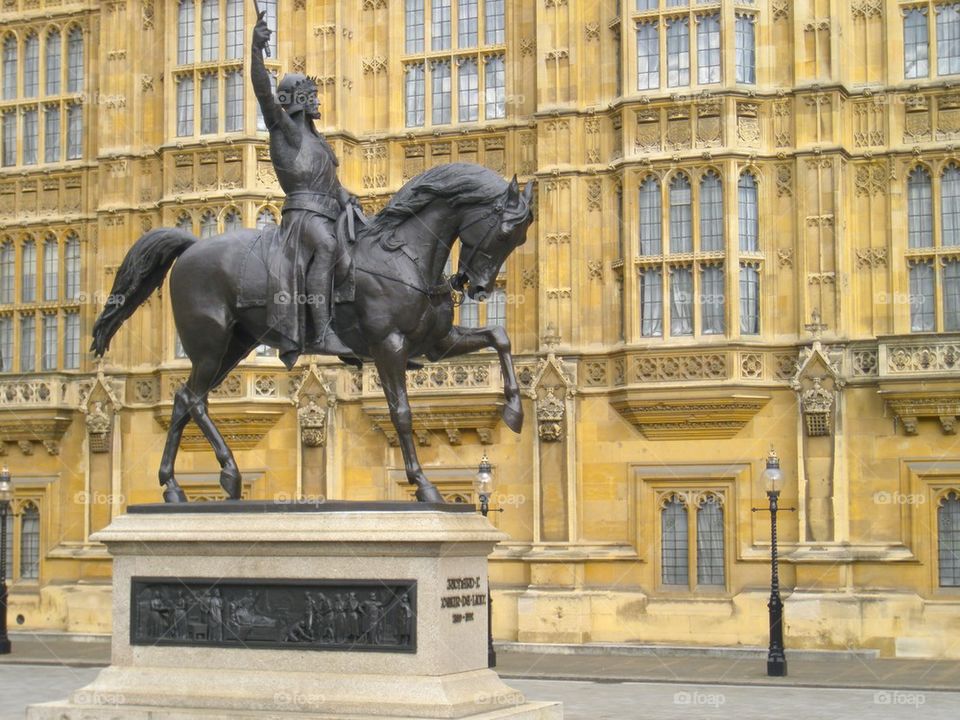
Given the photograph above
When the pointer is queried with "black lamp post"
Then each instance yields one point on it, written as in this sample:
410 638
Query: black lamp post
6 495
776 659
484 487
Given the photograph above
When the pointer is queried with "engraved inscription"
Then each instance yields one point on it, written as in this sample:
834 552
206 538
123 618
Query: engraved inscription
461 597
350 615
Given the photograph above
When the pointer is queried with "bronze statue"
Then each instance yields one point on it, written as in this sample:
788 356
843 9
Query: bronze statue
394 301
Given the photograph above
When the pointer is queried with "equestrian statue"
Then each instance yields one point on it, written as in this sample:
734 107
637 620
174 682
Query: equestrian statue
327 280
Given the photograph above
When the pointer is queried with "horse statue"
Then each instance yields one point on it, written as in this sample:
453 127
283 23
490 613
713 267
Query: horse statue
400 307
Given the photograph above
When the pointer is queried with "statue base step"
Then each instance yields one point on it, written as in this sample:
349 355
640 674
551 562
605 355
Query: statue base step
325 611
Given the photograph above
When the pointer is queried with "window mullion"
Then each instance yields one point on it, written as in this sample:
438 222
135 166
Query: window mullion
692 511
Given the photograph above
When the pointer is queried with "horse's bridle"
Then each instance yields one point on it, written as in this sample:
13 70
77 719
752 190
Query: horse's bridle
460 279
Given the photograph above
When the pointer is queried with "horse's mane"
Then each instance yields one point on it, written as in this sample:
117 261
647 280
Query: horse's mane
458 183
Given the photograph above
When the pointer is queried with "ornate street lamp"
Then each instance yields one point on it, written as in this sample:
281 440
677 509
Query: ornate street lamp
483 484
776 659
6 495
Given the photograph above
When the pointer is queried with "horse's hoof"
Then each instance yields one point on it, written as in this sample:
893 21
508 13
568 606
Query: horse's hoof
231 482
429 494
173 493
513 417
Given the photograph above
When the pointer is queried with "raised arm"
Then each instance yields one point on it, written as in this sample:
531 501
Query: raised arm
273 115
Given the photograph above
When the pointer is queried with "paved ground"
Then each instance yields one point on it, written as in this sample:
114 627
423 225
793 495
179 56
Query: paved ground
23 684
608 686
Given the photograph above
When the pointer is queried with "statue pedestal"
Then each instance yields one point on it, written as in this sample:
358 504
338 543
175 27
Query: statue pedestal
327 611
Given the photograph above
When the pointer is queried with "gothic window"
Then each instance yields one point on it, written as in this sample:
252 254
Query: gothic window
30 542
712 299
51 134
208 224
651 302
916 44
233 119
265 218
415 26
467 21
497 308
678 52
681 215
711 213
186 33
31 136
748 213
948 540
185 223
54 63
440 71
468 81
184 105
31 66
71 340
495 17
75 61
6 343
7 266
710 566
674 539
746 51
648 56
51 269
650 219
210 30
415 100
232 221
28 272
749 299
10 68
647 4
440 25
9 138
469 313
948 39
235 39
209 104
28 343
48 355
178 352
270 8
681 301
933 250
75 132
71 266
708 49
496 87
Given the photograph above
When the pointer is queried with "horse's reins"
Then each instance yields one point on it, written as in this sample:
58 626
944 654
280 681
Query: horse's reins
457 281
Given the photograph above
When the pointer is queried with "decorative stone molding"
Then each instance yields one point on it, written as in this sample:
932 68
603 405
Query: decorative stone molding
817 382
451 416
99 424
909 406
313 423
702 416
242 425
550 384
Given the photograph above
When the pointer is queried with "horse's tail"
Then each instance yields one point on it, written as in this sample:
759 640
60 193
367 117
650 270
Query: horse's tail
141 272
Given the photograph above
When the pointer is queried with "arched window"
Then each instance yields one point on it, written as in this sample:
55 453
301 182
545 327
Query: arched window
948 540
209 30
950 205
919 209
54 62
51 269
31 66
748 207
264 218
711 213
6 344
185 223
674 563
7 265
186 33
71 266
75 61
28 272
30 543
749 299
31 135
208 224
232 221
650 218
10 68
681 215
710 542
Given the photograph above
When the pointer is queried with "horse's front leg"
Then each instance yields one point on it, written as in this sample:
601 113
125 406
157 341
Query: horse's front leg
463 340
391 361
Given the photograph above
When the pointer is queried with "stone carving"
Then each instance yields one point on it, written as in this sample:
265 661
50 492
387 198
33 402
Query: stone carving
785 257
99 424
869 258
676 367
748 123
871 179
594 195
816 404
784 180
339 615
868 124
865 363
550 414
313 423
934 357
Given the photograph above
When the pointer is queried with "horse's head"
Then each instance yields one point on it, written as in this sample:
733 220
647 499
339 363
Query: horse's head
489 234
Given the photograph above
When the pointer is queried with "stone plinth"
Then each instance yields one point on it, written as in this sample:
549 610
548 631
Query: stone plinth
332 610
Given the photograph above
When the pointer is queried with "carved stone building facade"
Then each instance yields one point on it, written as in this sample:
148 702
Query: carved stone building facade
748 234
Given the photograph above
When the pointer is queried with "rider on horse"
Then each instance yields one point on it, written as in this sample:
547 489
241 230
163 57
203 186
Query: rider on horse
306 253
